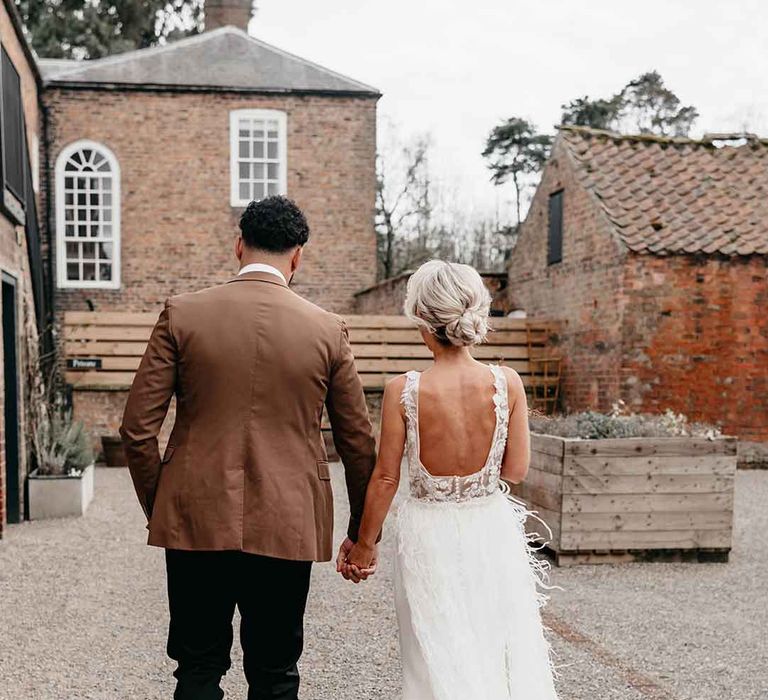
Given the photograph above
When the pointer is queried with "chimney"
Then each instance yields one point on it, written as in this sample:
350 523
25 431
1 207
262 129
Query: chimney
222 13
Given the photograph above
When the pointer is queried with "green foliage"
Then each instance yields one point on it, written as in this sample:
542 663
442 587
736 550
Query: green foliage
515 149
96 28
591 425
644 105
63 445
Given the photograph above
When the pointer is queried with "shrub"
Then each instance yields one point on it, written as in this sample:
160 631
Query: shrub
592 425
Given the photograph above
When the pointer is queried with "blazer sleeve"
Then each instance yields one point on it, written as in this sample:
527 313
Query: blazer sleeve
352 429
146 408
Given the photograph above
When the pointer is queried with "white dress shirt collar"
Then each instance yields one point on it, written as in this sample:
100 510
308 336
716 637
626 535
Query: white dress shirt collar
262 267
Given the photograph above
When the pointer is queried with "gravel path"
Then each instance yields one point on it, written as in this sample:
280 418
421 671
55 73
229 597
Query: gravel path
83 615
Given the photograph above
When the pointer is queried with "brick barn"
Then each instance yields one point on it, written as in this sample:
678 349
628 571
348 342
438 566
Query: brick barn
654 251
23 300
154 153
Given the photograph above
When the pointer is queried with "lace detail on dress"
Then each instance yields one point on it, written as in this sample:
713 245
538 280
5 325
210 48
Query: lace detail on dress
485 482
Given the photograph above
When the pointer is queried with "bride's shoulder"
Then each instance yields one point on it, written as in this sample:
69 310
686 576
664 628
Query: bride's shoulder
514 380
396 385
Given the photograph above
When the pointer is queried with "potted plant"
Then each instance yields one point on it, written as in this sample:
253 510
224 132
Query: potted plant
62 483
621 487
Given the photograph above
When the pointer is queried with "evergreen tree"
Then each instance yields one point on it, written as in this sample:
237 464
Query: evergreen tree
96 28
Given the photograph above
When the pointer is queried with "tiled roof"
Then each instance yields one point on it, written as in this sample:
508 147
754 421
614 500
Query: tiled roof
673 195
225 58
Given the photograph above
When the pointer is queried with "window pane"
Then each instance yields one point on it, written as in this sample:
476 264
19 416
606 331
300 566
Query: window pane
258 149
272 150
244 169
244 193
258 171
73 251
89 272
272 188
82 231
258 190
244 150
73 271
89 251
105 251
106 231
105 271
273 171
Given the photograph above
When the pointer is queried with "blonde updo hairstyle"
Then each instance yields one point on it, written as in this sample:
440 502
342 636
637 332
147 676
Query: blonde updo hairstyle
450 301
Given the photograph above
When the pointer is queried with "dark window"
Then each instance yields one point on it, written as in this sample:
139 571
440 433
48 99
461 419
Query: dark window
13 129
555 236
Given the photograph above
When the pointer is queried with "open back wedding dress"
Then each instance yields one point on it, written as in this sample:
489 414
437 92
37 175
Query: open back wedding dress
467 584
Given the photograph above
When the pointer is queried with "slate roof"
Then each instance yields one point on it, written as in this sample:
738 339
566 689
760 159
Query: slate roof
673 195
224 58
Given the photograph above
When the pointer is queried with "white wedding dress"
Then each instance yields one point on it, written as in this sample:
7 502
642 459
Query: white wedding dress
467 586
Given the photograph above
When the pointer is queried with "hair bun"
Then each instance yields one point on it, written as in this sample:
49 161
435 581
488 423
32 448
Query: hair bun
468 329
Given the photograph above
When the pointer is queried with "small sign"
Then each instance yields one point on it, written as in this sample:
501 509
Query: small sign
84 363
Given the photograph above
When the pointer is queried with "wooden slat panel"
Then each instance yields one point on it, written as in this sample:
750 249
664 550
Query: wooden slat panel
653 483
373 380
546 462
390 365
110 380
666 539
138 333
385 335
403 350
538 496
548 444
94 348
110 318
719 465
544 480
647 503
623 447
708 520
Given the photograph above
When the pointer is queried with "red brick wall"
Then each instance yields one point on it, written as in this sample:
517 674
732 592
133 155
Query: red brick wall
582 291
13 251
388 296
696 339
178 227
688 333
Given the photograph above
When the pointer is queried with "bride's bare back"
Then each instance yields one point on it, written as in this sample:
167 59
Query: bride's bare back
456 418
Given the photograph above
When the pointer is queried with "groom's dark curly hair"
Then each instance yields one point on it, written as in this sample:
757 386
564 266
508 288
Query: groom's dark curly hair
274 224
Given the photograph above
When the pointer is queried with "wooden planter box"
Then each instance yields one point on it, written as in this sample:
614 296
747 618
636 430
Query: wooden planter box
59 496
632 498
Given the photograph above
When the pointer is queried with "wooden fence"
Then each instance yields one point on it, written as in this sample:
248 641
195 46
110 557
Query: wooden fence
103 350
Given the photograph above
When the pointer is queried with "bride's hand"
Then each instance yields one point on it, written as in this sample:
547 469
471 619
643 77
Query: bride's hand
362 560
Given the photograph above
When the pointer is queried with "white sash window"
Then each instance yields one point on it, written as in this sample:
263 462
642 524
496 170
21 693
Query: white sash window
258 148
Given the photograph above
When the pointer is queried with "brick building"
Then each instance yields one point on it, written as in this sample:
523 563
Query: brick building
23 300
654 252
154 153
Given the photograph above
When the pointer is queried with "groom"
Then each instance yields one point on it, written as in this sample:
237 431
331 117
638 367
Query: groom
241 500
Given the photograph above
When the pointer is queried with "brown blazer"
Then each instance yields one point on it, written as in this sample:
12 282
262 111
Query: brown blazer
251 364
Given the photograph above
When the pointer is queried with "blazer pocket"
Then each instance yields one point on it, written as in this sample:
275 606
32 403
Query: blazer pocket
323 470
168 454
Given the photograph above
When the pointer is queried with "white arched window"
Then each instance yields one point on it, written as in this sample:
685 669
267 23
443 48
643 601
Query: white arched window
87 216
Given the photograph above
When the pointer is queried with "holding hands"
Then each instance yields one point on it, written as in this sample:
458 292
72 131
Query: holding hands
356 561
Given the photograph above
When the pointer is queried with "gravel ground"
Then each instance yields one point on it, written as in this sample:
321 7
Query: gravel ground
83 615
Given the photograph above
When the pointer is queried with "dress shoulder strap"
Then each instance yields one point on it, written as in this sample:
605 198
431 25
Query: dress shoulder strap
409 396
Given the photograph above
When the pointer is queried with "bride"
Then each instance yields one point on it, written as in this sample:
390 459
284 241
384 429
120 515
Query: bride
467 587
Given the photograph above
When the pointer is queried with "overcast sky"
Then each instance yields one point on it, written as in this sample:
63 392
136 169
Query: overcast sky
454 69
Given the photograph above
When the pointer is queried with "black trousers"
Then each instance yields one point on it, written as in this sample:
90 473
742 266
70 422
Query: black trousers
271 594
